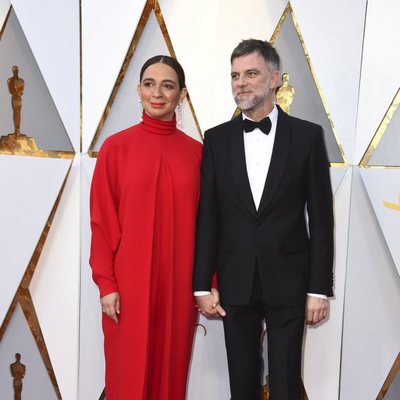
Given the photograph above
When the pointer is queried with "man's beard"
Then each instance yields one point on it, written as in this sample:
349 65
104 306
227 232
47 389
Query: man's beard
257 98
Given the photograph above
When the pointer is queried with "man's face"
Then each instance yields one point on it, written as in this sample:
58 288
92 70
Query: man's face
252 82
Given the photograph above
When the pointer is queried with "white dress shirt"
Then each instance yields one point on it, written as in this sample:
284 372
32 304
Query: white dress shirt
258 151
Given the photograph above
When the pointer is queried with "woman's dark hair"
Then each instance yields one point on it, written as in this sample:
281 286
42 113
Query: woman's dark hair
168 61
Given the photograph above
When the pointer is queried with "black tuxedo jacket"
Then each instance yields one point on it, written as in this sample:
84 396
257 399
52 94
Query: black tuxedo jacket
294 256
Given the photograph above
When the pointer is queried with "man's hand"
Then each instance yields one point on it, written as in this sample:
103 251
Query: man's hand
110 306
209 304
316 310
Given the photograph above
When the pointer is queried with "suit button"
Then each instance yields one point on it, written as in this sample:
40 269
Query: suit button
257 223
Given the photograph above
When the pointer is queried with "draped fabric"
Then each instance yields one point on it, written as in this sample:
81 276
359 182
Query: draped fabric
143 202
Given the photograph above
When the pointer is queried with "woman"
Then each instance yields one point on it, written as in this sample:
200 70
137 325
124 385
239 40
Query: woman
144 198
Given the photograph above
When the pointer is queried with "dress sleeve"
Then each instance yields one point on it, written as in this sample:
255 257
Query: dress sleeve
104 222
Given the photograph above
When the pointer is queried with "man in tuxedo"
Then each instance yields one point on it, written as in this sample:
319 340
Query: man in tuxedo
262 172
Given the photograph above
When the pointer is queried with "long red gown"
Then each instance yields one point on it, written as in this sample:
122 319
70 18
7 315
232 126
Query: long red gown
143 202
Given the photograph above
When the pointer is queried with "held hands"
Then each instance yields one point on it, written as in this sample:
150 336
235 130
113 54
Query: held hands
209 304
110 306
316 310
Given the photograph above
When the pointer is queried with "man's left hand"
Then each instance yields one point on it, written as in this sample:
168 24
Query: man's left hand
316 310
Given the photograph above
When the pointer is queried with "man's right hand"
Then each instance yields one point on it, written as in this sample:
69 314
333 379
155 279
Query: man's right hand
110 306
209 304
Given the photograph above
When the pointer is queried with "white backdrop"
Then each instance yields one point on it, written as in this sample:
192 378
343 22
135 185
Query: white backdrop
79 49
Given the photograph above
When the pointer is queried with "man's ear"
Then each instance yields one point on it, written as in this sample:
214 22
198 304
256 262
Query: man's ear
274 79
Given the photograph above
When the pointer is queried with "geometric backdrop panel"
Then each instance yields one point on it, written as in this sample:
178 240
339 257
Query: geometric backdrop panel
4 9
107 30
387 150
33 184
55 286
383 187
321 374
379 80
328 47
371 324
39 115
18 339
189 121
307 99
126 109
394 389
337 175
91 354
52 29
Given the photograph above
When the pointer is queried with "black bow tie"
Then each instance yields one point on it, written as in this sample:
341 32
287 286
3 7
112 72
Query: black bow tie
264 125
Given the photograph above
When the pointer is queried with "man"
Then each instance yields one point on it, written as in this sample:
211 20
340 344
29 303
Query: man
260 172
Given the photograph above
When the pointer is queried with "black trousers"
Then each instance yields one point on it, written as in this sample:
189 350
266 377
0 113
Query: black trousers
243 328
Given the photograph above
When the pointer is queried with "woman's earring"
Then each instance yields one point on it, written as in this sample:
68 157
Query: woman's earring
179 115
141 107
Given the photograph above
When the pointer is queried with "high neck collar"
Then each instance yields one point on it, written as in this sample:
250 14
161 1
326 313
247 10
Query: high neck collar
157 126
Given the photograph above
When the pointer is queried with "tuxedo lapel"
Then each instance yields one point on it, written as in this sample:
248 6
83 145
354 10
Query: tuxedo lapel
278 160
238 164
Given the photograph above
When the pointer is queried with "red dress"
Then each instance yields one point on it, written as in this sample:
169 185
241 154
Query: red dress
143 202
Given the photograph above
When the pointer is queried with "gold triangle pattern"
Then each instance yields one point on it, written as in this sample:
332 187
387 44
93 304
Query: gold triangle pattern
24 298
289 11
394 371
5 22
23 145
150 6
380 132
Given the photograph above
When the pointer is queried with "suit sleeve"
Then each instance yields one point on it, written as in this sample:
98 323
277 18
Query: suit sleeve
106 232
320 214
207 225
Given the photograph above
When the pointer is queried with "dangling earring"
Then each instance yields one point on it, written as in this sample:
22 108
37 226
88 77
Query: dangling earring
141 115
179 115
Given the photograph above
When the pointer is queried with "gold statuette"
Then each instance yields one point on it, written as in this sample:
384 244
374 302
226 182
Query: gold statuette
285 94
18 373
16 88
17 143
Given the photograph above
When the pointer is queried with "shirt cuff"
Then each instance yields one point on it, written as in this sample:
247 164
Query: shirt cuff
320 296
201 293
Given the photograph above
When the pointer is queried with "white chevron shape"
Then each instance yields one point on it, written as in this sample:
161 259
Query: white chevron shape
383 187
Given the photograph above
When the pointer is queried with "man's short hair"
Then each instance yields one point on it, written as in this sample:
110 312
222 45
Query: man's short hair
268 52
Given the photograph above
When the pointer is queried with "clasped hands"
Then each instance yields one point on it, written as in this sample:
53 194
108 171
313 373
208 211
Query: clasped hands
209 305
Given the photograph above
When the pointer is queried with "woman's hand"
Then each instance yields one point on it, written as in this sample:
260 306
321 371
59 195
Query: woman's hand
110 306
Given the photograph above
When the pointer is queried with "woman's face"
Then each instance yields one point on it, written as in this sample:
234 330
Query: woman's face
159 91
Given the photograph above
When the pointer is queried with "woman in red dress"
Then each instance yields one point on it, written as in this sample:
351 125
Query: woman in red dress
143 202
